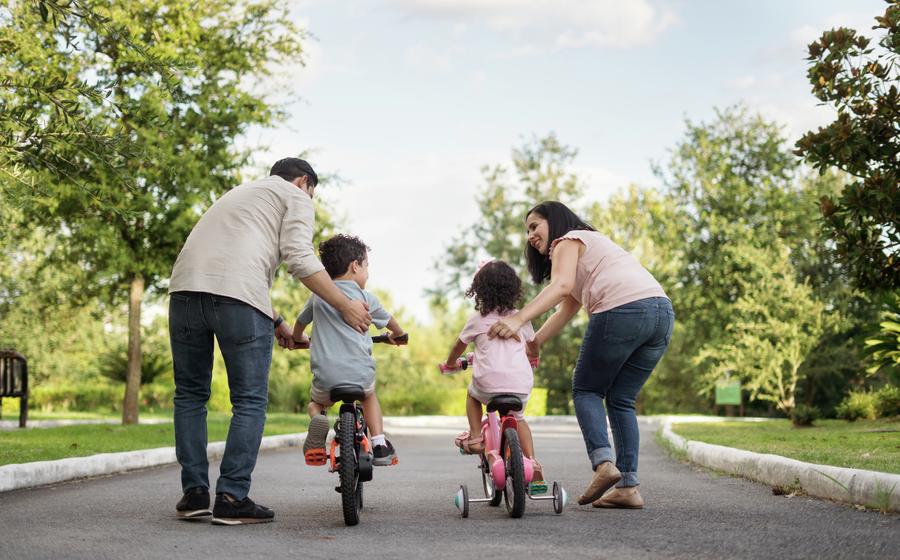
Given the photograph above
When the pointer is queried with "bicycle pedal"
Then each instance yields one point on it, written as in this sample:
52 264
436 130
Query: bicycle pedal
539 487
316 457
337 489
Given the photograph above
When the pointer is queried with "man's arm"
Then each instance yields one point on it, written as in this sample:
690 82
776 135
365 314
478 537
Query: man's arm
354 312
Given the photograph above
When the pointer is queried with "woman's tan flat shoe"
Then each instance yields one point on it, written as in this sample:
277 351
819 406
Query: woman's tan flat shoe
606 476
627 498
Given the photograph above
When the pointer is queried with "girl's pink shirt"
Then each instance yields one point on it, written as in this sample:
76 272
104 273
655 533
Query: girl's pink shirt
501 365
607 276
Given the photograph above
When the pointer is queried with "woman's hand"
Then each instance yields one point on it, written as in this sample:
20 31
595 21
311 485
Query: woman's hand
507 327
532 349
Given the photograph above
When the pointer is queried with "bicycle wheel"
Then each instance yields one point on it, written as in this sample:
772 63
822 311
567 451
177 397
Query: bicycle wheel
514 494
348 472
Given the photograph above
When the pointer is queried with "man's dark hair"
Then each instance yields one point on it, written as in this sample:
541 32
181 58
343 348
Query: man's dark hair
291 168
561 221
338 252
496 287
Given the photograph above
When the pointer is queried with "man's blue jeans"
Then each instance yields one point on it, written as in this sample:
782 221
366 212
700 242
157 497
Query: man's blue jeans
620 349
245 336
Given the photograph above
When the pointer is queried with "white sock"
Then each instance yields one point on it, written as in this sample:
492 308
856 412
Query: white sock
378 440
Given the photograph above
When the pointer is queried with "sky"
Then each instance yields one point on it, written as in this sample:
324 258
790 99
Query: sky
406 100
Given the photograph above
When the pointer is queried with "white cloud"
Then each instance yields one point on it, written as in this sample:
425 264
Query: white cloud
566 23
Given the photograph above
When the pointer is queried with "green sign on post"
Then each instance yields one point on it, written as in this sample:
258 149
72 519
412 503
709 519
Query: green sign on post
728 392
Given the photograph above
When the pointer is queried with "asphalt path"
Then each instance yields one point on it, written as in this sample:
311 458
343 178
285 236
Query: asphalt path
409 513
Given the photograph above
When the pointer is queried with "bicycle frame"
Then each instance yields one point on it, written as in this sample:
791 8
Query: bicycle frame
492 430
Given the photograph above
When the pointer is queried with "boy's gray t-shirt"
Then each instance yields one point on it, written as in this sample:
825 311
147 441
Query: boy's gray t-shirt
339 354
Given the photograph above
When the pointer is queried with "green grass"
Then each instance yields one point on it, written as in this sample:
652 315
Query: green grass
866 444
45 444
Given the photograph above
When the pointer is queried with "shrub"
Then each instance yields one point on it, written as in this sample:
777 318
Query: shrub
887 401
857 405
804 415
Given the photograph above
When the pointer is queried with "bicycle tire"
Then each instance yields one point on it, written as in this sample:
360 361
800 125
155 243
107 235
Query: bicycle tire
515 474
348 470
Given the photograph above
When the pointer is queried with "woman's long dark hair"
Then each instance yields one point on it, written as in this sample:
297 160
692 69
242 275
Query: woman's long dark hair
560 221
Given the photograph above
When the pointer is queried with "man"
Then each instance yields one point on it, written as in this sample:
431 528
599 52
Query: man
220 288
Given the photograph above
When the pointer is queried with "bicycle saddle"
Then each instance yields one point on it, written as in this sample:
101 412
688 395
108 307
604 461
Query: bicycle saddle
504 403
347 393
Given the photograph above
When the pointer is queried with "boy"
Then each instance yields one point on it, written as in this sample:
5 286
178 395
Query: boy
338 353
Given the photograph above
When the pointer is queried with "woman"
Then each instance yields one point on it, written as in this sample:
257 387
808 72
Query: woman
631 322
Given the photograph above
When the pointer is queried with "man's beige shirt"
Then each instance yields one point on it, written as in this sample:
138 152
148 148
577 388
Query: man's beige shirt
239 242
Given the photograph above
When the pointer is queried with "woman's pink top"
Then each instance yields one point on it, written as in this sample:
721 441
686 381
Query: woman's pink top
607 276
501 365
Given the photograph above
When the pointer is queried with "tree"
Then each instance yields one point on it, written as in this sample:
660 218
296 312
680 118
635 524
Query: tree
542 172
774 325
45 107
185 136
864 141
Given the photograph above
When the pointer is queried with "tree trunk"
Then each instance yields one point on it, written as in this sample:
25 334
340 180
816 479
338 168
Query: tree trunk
133 378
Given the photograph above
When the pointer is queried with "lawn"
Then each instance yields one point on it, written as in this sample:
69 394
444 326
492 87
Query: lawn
865 444
45 444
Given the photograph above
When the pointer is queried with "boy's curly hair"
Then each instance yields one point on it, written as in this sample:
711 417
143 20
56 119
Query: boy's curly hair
496 287
338 252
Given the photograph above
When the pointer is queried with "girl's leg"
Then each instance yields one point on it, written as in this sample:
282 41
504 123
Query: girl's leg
474 413
525 438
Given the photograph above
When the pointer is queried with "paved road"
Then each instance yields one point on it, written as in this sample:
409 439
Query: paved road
690 513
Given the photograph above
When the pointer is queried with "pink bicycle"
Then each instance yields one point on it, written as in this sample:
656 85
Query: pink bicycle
506 474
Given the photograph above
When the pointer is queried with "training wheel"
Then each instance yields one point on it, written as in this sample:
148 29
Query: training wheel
462 500
559 498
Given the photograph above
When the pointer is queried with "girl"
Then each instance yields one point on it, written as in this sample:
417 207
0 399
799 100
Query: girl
630 327
501 365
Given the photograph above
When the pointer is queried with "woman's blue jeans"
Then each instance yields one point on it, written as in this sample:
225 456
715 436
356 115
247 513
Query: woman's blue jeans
620 349
245 336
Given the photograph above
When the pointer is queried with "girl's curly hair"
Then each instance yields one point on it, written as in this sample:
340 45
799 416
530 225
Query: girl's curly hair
496 287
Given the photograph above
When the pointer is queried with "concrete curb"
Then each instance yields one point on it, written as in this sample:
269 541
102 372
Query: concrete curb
855 486
41 473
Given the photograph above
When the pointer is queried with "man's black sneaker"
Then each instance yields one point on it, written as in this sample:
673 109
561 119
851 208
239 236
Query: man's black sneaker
230 511
194 504
385 455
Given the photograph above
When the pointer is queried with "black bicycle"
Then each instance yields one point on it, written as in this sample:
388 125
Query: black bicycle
350 453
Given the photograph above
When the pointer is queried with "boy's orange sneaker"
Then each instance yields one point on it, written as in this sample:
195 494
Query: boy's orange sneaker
314 446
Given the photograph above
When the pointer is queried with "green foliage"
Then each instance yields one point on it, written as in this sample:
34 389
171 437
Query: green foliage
804 415
887 401
857 405
861 81
124 223
774 325
114 364
883 349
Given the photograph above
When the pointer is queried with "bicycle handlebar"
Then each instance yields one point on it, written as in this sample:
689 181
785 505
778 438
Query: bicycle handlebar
464 362
380 338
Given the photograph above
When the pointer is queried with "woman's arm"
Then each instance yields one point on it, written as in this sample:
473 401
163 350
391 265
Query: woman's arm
562 280
557 321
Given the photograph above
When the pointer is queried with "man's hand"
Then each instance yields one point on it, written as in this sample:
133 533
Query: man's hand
356 314
284 334
507 327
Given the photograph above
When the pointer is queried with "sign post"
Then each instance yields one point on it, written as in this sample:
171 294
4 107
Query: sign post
728 394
